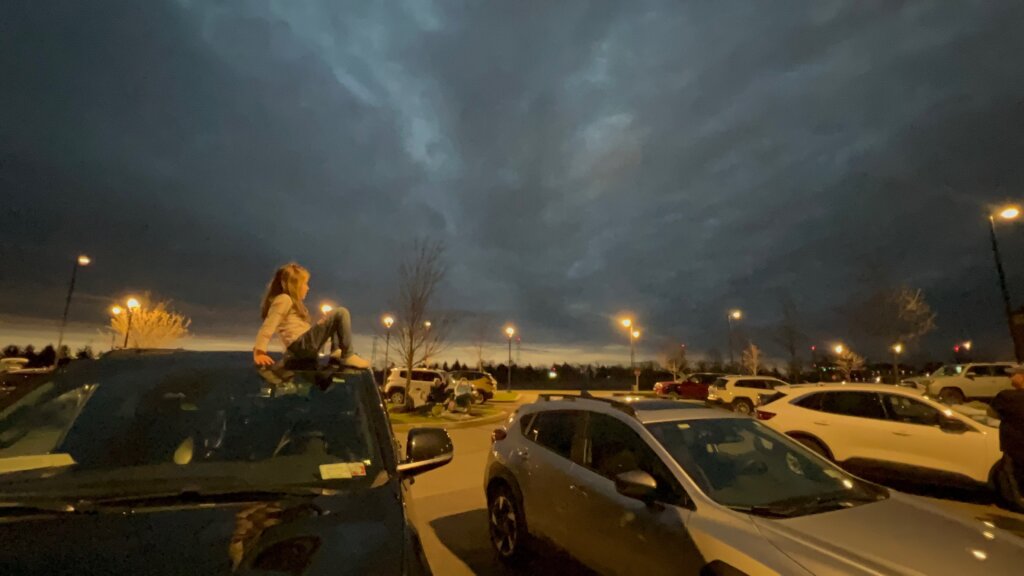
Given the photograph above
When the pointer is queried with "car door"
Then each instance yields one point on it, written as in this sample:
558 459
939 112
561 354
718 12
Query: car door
545 465
615 534
849 425
997 380
919 441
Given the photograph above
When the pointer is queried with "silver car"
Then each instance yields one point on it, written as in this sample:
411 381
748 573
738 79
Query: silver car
649 487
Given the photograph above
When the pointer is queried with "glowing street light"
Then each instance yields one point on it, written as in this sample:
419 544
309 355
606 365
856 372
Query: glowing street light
1007 213
636 334
627 322
389 321
838 349
116 310
967 345
510 331
897 349
133 305
734 315
82 260
325 308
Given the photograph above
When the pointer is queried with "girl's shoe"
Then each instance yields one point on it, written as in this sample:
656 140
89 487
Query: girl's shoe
352 360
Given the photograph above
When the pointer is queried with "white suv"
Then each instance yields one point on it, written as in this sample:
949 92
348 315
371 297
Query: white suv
743 393
956 383
893 433
653 487
424 386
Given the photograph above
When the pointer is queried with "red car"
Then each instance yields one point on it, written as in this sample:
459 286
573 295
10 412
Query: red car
694 386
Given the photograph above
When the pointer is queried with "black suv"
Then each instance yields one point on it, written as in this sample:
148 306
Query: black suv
199 463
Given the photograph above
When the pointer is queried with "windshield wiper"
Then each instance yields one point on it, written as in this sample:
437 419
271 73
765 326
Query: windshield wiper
36 508
766 511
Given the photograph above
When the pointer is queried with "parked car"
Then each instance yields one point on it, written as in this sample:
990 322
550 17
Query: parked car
693 386
742 393
668 487
889 432
484 385
199 463
426 386
956 383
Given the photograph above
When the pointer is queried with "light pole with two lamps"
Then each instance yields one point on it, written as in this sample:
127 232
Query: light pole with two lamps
634 333
131 305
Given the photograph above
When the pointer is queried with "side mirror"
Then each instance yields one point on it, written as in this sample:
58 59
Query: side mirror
425 449
637 484
953 426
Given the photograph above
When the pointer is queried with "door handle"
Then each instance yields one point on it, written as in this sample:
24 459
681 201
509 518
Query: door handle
821 423
901 434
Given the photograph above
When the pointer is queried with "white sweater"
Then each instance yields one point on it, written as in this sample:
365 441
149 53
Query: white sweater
284 319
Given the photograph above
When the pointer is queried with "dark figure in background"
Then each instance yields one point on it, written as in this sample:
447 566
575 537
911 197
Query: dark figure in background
1009 405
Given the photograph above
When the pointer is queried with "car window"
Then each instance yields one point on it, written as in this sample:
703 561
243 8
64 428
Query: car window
810 401
555 430
859 404
979 371
756 384
910 411
613 448
1002 370
721 383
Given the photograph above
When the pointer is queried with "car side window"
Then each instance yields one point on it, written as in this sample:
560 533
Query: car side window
555 430
811 401
748 384
910 411
859 404
613 448
980 371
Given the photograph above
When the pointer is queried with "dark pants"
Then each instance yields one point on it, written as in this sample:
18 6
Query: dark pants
336 327
1015 470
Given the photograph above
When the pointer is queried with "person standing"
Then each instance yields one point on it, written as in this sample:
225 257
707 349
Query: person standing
1009 406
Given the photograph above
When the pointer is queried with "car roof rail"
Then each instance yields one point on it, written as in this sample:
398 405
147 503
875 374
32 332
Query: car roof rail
584 395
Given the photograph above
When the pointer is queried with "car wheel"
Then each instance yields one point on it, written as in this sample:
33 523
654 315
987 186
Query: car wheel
396 397
506 524
478 397
814 446
951 396
1006 488
742 406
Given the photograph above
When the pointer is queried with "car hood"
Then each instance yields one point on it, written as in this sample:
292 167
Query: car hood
356 533
900 535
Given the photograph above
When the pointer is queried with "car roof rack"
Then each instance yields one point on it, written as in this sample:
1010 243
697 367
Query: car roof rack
584 395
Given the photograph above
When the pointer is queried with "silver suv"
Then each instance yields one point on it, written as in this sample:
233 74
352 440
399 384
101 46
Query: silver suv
639 486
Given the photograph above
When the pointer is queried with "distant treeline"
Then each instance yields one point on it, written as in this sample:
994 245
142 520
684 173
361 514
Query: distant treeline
47 356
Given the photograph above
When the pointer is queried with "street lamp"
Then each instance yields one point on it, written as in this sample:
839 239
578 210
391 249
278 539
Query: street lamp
737 315
838 349
633 336
389 321
325 309
133 305
1008 213
116 311
426 346
82 260
510 331
897 349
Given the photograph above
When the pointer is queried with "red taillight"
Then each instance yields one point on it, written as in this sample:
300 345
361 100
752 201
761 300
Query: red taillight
765 415
498 434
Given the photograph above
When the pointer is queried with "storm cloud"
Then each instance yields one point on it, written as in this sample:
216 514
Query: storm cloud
580 159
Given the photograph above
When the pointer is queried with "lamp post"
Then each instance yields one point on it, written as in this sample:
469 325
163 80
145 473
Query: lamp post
1008 213
133 305
733 315
325 309
633 335
389 321
82 260
897 349
510 332
426 344
116 311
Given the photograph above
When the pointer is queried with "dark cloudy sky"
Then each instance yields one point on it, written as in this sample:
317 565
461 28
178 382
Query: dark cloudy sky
580 159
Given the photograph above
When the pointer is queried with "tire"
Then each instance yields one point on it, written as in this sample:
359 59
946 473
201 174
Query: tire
951 396
506 524
743 406
396 396
1003 484
814 446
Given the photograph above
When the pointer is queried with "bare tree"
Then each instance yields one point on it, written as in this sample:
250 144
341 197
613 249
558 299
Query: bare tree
422 331
150 326
847 362
898 314
752 359
673 359
790 337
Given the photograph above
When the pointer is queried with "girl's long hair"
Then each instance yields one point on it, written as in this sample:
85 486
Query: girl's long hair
286 281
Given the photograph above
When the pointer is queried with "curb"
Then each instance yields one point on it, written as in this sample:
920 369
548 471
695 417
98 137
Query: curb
452 425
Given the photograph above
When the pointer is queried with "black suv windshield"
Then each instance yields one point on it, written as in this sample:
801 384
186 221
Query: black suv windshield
161 423
742 464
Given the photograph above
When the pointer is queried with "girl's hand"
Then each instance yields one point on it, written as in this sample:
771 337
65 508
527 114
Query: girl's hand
262 359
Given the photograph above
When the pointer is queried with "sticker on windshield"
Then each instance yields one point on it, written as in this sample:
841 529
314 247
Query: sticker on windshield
683 426
342 470
794 464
